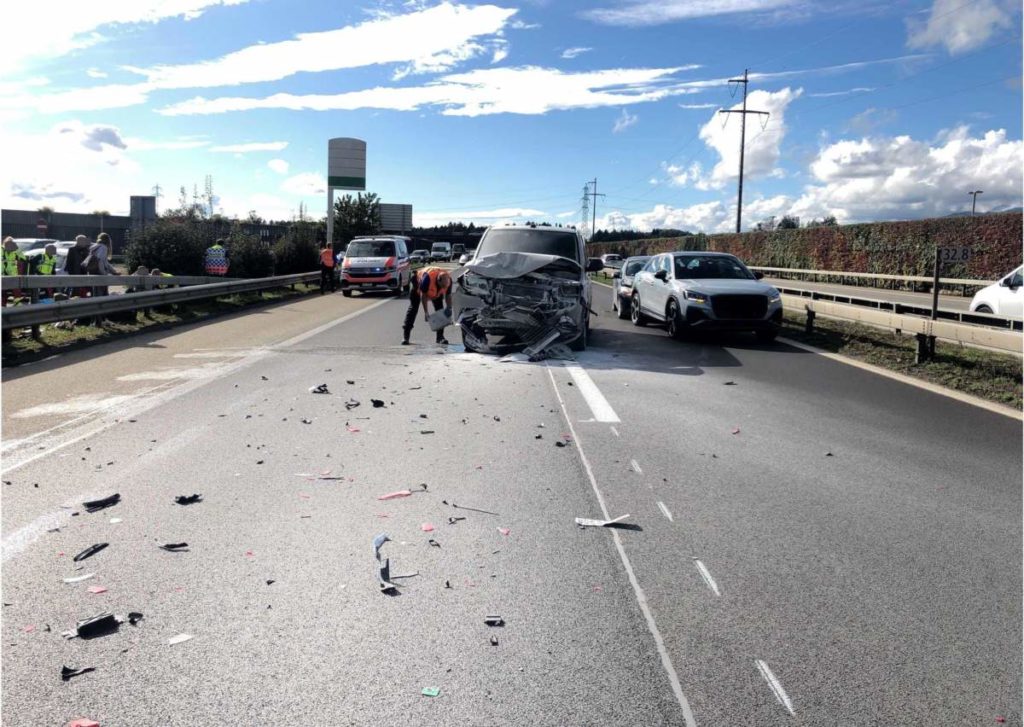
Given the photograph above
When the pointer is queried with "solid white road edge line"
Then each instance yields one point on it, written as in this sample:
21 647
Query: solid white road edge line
910 380
706 575
665 511
24 536
641 599
602 410
155 401
774 685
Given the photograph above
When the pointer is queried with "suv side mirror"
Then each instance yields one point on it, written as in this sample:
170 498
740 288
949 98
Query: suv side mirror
595 265
616 275
661 275
758 275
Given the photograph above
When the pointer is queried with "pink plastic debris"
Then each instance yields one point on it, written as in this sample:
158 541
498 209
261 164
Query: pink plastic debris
383 514
353 430
504 531
325 473
97 589
303 496
1000 719
566 437
83 722
249 554
427 527
735 430
598 589
395 495
29 629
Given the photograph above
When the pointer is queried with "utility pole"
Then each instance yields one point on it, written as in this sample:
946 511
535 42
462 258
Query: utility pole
974 199
593 210
585 206
743 138
157 193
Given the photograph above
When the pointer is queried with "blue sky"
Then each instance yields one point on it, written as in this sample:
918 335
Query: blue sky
493 112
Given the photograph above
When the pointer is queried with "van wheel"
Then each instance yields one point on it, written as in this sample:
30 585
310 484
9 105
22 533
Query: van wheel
347 293
580 344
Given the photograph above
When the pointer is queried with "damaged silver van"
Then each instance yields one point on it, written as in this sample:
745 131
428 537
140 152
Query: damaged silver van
525 289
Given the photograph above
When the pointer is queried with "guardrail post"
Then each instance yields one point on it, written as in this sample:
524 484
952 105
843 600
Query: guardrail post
33 297
923 353
809 323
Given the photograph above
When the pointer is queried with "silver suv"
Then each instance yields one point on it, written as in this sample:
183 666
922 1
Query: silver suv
525 287
704 291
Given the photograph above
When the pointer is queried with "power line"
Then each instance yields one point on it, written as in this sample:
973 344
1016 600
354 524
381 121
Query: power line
593 210
743 139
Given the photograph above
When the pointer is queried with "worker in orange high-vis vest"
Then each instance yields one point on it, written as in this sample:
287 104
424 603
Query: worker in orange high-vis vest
429 285
326 268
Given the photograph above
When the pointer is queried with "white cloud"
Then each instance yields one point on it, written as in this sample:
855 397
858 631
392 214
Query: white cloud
566 215
174 145
570 53
64 27
95 73
959 26
250 147
762 142
699 105
658 12
500 52
480 217
306 184
624 121
681 176
278 165
848 92
431 40
523 90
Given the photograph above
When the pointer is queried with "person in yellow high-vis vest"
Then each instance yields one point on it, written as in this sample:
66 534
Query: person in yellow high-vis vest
14 263
47 264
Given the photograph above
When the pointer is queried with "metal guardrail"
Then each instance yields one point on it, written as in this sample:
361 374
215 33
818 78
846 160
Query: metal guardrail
924 328
969 282
35 282
40 313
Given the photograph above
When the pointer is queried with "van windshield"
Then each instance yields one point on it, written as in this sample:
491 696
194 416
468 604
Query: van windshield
370 248
544 242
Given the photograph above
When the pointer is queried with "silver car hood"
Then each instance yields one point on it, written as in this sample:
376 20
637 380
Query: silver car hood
515 264
718 286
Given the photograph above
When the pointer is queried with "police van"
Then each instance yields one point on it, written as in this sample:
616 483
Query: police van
376 262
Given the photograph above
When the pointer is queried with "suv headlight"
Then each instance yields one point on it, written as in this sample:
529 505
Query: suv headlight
696 297
774 297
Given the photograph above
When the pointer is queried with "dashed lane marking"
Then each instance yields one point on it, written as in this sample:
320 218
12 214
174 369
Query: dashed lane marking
775 686
706 575
665 511
636 466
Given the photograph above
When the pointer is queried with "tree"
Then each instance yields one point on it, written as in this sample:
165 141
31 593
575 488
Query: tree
248 255
789 223
829 221
174 247
354 216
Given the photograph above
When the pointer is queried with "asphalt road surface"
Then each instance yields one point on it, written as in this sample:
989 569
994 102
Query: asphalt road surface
807 543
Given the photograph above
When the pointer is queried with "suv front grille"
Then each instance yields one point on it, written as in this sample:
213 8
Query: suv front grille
739 306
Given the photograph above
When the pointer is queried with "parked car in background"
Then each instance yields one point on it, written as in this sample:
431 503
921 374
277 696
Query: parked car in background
32 243
464 258
418 256
458 250
441 252
622 284
704 291
525 288
612 261
1005 298
377 262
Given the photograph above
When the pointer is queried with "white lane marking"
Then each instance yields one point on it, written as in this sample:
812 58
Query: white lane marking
615 431
665 511
910 380
636 466
775 686
169 395
602 410
706 575
641 598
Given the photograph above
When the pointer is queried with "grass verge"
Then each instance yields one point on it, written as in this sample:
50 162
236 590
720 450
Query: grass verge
985 374
52 340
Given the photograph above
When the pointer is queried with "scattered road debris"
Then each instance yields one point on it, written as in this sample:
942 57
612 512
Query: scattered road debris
90 551
504 531
83 722
79 579
96 505
453 520
431 691
561 444
384 577
115 520
494 641
494 621
729 383
829 454
427 528
351 403
403 493
66 672
96 590
175 547
447 584
378 542
101 624
433 543
352 430
426 431
472 509
377 403
349 381
735 430
179 639
271 582
188 499
306 421
134 617
320 389
588 523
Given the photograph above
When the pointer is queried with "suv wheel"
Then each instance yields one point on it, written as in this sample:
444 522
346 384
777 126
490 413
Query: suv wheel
638 318
766 335
677 327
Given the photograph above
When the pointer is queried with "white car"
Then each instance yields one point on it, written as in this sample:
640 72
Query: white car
611 260
622 284
1005 298
691 291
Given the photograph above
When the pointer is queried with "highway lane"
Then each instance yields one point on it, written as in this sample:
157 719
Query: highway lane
877 586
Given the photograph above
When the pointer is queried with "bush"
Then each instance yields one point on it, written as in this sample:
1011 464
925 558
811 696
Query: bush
295 254
249 256
177 248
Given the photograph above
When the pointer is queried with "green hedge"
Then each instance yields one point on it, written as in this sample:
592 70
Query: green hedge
893 248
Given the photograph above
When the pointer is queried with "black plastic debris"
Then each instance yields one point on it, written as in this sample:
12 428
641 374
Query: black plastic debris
188 499
259 461
494 641
829 454
423 416
472 509
729 383
538 436
90 551
351 403
101 624
306 421
384 577
95 505
494 621
66 672
453 520
264 378
320 389
271 582
561 444
174 547
377 403
349 381
433 543
134 617
447 584
426 431
497 419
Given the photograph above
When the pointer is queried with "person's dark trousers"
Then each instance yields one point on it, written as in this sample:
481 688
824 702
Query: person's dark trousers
326 278
414 309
